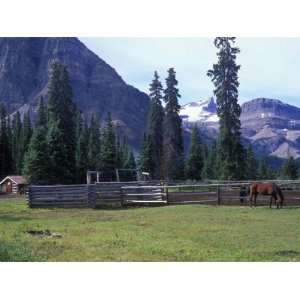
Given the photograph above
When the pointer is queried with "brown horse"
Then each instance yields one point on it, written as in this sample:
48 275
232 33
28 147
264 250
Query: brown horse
270 189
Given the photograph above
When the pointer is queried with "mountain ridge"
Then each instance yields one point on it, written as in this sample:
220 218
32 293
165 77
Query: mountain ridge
271 126
97 87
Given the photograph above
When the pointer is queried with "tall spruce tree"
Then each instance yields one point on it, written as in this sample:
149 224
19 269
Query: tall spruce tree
194 161
94 144
173 156
5 151
264 171
145 163
82 139
36 160
109 149
289 169
251 164
224 75
25 136
62 127
16 142
154 128
210 169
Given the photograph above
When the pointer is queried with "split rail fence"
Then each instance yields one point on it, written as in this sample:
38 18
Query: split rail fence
151 192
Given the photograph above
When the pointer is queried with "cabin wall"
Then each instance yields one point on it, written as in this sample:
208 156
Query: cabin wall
9 187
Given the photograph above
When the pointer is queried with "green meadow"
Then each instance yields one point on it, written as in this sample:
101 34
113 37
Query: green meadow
166 233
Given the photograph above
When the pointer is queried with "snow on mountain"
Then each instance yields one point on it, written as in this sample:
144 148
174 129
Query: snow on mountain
271 126
200 112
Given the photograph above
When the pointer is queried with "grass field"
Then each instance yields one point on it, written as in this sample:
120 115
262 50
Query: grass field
170 233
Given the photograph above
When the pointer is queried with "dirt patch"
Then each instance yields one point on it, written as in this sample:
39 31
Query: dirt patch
44 233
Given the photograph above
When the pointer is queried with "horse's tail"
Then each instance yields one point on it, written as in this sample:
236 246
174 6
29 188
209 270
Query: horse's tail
279 191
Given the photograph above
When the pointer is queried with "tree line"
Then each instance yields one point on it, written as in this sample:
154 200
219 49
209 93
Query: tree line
227 158
62 146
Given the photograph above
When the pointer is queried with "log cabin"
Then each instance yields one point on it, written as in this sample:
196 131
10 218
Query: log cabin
13 185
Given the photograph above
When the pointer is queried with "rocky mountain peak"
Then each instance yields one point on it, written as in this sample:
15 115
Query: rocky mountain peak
97 87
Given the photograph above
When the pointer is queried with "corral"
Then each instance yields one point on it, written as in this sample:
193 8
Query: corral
151 192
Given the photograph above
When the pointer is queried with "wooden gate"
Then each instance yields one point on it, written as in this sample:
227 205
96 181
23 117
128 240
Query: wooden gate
143 194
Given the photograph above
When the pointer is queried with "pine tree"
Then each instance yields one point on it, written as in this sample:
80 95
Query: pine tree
130 164
264 171
154 128
62 127
289 169
94 145
194 161
82 138
36 160
25 135
16 141
210 163
173 159
109 150
251 164
224 75
5 151
144 160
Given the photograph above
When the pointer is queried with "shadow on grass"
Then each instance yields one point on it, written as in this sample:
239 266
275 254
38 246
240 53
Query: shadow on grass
128 207
13 218
291 207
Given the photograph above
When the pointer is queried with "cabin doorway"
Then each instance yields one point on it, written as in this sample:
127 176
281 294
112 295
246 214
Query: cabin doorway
8 187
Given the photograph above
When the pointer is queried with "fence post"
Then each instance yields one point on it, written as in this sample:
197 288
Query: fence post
29 197
167 194
219 195
122 196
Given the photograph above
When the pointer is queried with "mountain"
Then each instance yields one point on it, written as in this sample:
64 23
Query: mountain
97 87
271 126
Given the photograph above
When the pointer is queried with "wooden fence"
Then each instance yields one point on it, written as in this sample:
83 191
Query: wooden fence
87 195
124 193
58 196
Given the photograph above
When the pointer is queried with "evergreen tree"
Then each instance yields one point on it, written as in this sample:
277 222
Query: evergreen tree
5 151
264 171
173 160
144 160
109 150
210 163
82 138
16 142
42 119
194 161
130 164
36 160
251 164
224 75
289 169
62 127
25 135
154 128
94 145
61 172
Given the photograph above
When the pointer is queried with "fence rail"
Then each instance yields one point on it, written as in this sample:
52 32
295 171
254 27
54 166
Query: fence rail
123 193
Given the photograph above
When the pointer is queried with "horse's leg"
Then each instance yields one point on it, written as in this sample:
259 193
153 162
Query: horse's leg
271 199
276 200
255 197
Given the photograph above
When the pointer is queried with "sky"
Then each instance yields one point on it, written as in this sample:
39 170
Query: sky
270 67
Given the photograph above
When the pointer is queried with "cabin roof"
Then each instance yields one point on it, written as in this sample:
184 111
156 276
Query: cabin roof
16 179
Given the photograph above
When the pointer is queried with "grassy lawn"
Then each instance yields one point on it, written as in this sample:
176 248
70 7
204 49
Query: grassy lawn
170 233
